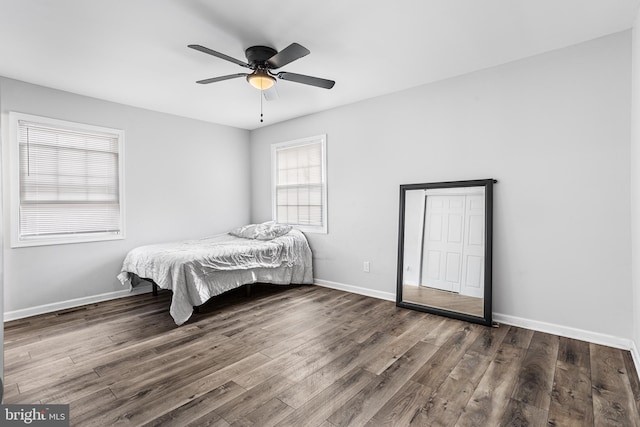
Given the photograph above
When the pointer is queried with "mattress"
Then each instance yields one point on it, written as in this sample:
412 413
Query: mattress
196 270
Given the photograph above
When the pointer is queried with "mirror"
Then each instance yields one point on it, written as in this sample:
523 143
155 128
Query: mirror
444 249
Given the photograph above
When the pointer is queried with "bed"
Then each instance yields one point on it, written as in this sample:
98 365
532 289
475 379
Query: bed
196 270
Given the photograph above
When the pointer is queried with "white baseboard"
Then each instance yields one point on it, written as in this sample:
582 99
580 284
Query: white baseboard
636 356
389 296
64 305
565 331
579 334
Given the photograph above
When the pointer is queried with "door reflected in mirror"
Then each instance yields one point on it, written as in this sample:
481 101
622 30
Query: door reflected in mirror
445 249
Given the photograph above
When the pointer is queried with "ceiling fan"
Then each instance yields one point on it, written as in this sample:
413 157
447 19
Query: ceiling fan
261 60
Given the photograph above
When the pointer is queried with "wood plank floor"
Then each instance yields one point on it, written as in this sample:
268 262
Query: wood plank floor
309 356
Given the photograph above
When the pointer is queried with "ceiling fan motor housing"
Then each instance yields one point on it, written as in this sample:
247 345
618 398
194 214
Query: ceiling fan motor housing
258 55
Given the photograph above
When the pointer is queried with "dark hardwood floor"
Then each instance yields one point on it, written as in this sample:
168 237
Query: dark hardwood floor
309 356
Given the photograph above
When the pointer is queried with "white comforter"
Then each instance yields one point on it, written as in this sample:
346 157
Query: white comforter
196 270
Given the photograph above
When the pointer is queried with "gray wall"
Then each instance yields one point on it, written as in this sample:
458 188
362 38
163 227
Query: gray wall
554 130
2 237
183 178
635 186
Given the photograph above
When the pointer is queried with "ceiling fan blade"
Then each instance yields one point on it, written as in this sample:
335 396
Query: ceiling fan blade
219 55
271 94
307 80
288 54
221 78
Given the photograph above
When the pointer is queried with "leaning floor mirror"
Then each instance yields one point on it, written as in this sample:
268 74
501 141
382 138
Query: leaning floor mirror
444 249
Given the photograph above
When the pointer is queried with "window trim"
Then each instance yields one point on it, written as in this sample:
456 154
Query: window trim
14 182
322 138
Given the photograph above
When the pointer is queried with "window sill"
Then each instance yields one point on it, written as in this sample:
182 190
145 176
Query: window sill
16 244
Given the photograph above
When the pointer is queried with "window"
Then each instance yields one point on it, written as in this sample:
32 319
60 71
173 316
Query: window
299 183
66 182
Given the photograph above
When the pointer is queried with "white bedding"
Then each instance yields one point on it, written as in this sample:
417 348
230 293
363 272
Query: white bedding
196 270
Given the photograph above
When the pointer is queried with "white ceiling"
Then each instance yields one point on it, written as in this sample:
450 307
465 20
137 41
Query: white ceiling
135 51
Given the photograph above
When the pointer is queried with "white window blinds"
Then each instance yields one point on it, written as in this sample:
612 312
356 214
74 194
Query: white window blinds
300 185
69 182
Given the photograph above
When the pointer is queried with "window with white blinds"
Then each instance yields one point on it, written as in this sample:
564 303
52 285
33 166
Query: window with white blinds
299 194
66 182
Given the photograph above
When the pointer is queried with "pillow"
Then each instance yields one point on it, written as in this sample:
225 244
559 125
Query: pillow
265 231
247 231
271 230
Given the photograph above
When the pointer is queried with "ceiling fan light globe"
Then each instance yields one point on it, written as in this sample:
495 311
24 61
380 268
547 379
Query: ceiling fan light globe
261 81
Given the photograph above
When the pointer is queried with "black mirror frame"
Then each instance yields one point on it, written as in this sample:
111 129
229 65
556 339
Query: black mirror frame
487 318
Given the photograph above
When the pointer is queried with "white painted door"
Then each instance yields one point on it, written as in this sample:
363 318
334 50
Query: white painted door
473 248
443 242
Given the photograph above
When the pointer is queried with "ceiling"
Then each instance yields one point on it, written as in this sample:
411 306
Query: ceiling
135 51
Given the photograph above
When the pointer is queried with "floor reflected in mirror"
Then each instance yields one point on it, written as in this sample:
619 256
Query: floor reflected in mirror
443 299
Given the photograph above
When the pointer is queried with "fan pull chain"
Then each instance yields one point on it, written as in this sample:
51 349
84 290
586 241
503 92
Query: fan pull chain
261 115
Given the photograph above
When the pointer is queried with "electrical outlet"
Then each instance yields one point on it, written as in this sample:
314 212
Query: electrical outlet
365 266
